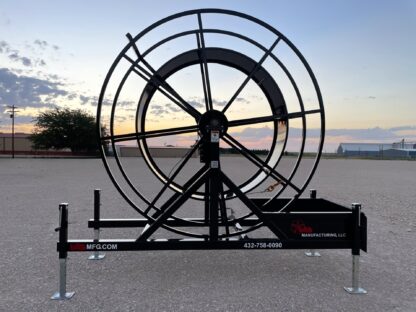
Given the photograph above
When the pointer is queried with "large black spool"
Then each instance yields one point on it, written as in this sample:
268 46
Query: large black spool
205 56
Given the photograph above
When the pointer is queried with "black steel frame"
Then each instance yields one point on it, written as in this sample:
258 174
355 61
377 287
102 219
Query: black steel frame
314 223
156 80
295 223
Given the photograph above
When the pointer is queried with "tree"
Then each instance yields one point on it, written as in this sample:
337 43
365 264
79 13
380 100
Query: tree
65 128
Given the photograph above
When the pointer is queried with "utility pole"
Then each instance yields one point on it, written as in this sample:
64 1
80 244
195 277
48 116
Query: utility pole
12 110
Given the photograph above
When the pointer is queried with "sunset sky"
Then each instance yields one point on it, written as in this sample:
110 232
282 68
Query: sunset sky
362 53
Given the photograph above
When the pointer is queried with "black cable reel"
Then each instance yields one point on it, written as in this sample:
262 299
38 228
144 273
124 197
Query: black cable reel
243 90
163 79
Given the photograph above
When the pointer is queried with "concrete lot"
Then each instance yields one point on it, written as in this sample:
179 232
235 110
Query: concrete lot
258 280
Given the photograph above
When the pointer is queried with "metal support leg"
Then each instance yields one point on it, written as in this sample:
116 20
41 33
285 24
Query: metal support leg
96 255
63 254
312 253
97 203
355 289
62 294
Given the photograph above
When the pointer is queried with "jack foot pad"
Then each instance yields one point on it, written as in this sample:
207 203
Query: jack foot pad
312 253
66 296
96 257
355 290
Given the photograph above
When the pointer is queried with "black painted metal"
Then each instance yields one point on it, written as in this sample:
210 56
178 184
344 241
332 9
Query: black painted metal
294 223
274 213
312 224
156 80
97 204
63 230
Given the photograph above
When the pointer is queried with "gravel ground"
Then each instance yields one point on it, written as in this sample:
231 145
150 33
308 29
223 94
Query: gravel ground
258 280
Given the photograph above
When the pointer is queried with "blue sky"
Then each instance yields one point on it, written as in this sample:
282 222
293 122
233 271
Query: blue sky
362 53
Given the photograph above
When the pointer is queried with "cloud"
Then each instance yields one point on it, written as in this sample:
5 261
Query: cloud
4 47
366 134
199 102
173 108
25 91
219 103
93 100
376 134
403 128
196 103
84 99
14 56
242 100
125 103
41 43
158 110
253 133
18 56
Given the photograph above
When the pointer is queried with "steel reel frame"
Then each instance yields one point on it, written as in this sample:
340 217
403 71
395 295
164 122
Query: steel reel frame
297 223
264 168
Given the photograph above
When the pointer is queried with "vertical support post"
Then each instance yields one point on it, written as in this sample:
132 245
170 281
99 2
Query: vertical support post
214 181
62 294
356 246
12 115
206 203
311 252
97 204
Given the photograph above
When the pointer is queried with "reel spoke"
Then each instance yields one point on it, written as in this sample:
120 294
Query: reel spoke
204 66
258 162
172 177
256 120
159 82
149 134
255 69
174 203
252 206
195 51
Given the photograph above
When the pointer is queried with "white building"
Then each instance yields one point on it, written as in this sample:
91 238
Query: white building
390 150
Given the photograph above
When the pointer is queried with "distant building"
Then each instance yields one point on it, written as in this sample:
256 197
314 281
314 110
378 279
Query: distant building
23 146
381 150
21 143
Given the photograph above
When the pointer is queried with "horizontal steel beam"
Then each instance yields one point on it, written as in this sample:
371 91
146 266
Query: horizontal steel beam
200 244
186 222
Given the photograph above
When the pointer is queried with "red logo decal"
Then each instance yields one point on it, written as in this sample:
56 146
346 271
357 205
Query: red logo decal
77 247
299 227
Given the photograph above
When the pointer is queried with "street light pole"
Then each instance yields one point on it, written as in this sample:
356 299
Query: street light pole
12 112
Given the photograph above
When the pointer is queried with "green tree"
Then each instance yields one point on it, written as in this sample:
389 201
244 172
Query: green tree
65 128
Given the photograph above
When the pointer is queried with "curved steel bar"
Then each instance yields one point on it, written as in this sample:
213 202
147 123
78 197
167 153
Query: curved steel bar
160 83
250 75
275 100
208 11
121 168
258 162
184 105
204 66
282 66
172 177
